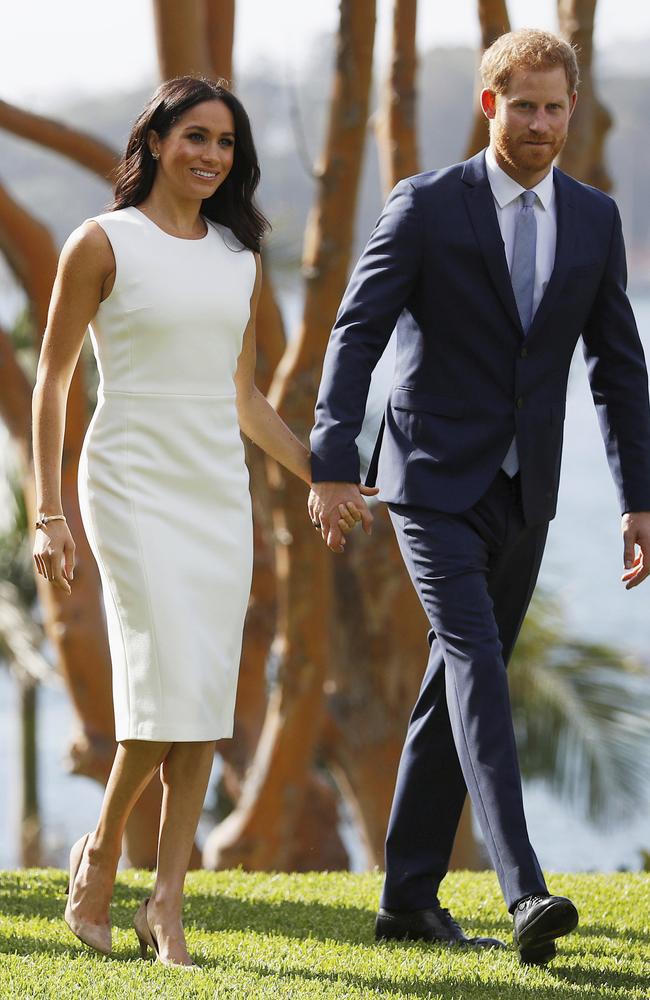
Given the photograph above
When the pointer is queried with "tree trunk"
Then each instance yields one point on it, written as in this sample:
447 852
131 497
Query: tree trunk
181 38
20 642
379 653
379 657
396 120
83 149
220 27
30 823
260 831
494 21
15 399
31 255
583 154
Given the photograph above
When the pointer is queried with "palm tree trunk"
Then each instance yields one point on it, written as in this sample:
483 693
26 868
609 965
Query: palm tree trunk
396 121
181 38
494 21
220 28
583 154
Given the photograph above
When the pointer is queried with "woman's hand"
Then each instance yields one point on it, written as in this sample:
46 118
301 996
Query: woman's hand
326 504
54 554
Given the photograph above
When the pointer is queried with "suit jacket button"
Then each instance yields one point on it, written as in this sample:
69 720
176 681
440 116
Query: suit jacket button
519 402
523 353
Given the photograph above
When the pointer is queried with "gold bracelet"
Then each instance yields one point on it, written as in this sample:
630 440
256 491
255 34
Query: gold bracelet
44 518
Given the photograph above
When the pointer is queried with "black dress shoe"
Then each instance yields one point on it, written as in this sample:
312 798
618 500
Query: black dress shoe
538 921
434 924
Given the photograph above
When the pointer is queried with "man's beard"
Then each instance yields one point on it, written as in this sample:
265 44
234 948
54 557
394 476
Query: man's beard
522 156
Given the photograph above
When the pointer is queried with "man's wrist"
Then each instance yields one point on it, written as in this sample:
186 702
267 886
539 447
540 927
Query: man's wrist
324 470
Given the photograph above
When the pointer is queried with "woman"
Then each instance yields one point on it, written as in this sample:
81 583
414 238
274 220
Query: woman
169 280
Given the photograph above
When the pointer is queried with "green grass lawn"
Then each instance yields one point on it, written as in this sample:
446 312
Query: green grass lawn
263 936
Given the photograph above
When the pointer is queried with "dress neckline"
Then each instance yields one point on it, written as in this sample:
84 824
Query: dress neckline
183 239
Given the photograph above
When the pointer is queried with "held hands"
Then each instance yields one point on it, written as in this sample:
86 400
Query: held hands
54 554
636 532
335 508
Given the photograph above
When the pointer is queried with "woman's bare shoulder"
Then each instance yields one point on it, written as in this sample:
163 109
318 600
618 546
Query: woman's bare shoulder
88 248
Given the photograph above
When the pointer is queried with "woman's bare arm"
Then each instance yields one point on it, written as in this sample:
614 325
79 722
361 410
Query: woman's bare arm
84 277
257 418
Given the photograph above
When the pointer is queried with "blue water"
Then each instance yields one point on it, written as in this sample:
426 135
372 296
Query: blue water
582 567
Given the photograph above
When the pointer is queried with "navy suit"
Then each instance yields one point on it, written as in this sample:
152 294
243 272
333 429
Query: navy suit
466 380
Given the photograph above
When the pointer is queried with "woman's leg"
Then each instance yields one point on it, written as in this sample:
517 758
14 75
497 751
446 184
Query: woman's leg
185 773
135 763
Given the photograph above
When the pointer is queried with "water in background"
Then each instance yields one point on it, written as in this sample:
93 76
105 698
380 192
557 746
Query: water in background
582 568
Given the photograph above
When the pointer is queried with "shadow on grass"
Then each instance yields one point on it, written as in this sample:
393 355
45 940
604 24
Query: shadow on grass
598 979
214 913
609 930
392 986
28 944
396 986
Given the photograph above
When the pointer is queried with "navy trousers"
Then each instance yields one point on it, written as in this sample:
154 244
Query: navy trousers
474 573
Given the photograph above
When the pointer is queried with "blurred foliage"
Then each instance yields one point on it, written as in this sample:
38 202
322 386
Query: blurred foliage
22 338
15 546
582 716
22 333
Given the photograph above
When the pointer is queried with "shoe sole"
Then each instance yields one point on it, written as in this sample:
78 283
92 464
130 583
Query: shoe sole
387 930
536 942
539 954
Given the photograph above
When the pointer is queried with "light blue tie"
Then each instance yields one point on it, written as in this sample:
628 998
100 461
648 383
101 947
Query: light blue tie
522 275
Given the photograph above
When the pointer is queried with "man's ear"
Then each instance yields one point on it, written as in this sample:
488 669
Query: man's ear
572 102
489 103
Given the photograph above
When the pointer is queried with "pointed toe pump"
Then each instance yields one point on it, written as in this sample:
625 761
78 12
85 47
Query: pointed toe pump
147 939
97 936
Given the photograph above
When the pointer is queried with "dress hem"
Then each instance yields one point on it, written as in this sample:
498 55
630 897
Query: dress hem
167 736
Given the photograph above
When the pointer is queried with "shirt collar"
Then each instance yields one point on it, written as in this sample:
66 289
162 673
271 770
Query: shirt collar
505 189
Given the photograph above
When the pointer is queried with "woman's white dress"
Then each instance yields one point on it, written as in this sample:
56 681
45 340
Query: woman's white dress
162 482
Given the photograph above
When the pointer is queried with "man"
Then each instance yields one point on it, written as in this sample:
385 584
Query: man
491 270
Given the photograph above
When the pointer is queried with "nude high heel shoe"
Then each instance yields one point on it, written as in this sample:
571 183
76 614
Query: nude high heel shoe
147 939
97 936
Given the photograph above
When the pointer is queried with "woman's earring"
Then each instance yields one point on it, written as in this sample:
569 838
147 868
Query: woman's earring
155 156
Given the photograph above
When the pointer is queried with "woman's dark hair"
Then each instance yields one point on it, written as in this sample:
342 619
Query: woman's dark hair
232 203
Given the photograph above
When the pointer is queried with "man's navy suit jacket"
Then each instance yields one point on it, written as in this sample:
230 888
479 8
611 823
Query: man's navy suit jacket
466 377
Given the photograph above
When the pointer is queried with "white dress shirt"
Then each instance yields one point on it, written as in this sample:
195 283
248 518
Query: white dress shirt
506 193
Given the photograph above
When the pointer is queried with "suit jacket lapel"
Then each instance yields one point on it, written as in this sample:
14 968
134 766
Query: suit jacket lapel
564 247
480 205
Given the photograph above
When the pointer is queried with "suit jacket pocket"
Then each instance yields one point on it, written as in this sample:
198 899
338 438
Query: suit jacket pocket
415 401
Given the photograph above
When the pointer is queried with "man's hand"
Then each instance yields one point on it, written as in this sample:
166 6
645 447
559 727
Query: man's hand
335 507
636 532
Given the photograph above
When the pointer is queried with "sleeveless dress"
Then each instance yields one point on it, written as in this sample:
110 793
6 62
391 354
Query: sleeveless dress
163 485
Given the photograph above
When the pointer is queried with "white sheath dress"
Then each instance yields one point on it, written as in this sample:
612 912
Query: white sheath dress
163 484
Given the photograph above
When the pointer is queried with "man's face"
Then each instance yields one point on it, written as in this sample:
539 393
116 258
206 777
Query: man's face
529 123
